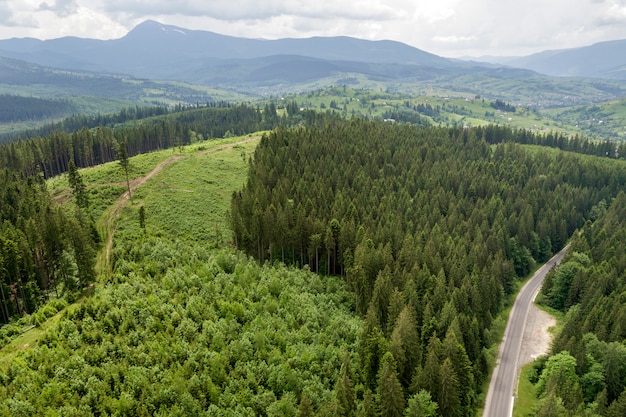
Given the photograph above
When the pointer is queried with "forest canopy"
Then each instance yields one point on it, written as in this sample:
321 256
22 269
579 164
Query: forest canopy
423 232
430 227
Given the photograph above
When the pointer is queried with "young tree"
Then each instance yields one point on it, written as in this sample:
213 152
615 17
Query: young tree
78 187
390 393
142 218
367 408
122 157
306 408
421 405
344 389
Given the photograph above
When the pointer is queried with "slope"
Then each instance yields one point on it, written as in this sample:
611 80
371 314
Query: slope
183 329
603 60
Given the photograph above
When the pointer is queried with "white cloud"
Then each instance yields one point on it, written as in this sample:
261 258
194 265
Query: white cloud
62 8
454 39
232 10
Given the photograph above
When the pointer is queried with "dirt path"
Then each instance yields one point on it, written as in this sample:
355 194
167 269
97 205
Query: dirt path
114 212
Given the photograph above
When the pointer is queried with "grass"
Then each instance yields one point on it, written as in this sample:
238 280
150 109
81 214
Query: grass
456 108
202 182
212 175
526 399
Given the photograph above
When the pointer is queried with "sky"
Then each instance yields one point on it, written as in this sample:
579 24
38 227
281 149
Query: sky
450 28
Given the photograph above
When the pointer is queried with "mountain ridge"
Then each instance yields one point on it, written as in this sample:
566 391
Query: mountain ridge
599 60
147 42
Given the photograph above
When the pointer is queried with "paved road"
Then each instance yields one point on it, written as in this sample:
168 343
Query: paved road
499 401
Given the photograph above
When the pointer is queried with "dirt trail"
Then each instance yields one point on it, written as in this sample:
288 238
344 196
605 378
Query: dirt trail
135 183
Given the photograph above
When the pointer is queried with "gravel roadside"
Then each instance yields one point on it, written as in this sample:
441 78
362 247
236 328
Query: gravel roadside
537 339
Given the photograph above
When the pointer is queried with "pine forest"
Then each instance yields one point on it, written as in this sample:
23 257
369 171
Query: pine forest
287 262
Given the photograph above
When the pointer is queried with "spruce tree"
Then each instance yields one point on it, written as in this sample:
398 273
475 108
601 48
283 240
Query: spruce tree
122 157
78 187
390 393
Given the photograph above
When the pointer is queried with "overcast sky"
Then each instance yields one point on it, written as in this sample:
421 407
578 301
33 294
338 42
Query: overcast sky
450 28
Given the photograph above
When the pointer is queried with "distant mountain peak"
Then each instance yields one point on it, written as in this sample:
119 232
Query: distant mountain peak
152 28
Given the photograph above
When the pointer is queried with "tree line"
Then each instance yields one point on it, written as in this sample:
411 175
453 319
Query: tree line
18 108
130 114
430 228
93 140
43 249
90 146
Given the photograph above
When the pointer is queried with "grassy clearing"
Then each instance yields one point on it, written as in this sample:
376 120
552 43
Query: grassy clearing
212 174
202 183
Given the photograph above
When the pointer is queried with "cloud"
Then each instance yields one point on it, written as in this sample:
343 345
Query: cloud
453 39
12 16
233 10
6 14
61 8
615 14
445 27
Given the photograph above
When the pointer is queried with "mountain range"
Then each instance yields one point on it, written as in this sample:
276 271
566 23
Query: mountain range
157 51
600 60
154 50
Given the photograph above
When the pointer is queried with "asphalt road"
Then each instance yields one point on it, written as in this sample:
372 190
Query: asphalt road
499 401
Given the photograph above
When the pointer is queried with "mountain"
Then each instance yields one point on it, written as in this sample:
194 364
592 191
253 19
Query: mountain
601 60
154 50
21 74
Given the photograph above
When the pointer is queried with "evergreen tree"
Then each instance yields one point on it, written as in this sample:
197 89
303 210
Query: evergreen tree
344 389
306 408
78 187
122 157
421 405
367 407
142 218
390 393
450 391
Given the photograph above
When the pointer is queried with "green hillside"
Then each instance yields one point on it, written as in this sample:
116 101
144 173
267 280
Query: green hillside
335 267
442 108
181 327
605 120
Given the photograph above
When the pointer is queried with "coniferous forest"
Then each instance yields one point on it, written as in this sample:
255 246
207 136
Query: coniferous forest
42 246
431 229
387 254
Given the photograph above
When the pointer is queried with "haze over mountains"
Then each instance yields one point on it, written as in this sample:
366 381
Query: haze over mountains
163 52
601 60
154 50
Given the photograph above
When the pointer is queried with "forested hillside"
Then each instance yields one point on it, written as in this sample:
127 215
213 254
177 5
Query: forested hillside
423 232
180 328
44 261
17 108
95 139
587 373
42 247
430 228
